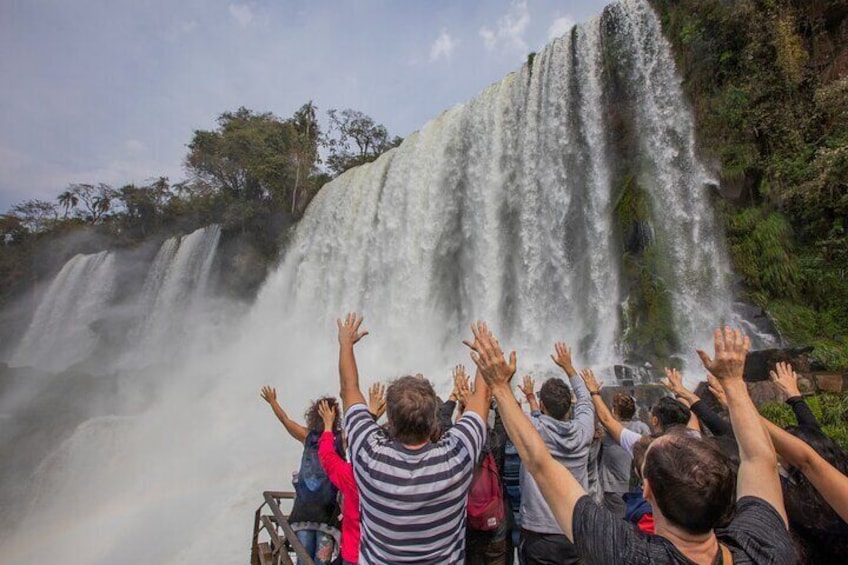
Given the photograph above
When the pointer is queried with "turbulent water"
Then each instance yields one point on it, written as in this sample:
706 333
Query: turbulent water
501 208
60 334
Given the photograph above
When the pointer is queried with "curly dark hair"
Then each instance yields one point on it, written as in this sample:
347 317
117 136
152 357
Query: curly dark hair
624 405
315 423
817 529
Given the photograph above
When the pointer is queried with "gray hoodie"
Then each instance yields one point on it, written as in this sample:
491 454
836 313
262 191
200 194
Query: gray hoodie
568 442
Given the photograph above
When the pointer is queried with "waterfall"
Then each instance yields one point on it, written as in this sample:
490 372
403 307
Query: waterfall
60 333
175 284
506 208
503 208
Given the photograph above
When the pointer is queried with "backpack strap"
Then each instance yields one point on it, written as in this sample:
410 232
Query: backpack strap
726 556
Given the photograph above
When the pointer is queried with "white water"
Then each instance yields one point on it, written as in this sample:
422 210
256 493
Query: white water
500 208
60 333
173 293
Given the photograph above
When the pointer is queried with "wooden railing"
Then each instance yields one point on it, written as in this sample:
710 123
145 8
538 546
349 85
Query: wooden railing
281 538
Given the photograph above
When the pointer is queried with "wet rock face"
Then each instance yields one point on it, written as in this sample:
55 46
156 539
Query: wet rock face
759 363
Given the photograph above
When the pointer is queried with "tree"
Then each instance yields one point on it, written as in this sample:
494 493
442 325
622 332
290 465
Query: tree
358 139
35 216
248 156
145 205
307 140
96 201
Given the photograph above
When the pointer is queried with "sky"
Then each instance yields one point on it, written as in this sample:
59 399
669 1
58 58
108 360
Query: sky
112 90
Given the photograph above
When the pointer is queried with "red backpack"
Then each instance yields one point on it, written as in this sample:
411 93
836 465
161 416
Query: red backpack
485 501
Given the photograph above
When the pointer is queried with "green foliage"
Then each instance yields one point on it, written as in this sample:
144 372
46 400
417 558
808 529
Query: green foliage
357 139
831 410
648 311
762 252
766 79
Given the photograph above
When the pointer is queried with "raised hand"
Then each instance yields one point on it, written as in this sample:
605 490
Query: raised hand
529 386
718 391
460 382
786 379
674 381
327 414
487 355
349 332
591 383
269 394
563 358
377 399
731 348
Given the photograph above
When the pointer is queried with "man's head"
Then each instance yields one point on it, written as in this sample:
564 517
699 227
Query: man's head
411 409
689 480
555 398
667 413
623 406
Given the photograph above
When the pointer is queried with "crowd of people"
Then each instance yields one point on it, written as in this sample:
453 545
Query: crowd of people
477 479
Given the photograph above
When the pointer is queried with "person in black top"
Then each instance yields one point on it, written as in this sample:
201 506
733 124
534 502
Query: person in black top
688 480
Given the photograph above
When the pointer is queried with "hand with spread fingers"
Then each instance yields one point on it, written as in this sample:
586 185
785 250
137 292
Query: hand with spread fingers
674 384
718 391
731 348
563 358
786 379
461 388
590 380
269 394
349 332
377 399
328 415
528 386
487 355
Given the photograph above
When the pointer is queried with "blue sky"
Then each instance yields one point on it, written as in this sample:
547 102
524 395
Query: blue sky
111 90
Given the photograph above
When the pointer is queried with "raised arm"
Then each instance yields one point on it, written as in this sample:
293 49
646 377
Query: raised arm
558 486
528 389
584 413
674 384
377 400
479 399
758 462
349 334
831 484
608 421
294 429
786 380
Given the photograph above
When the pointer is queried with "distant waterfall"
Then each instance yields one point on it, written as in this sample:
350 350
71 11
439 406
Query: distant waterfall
60 333
503 208
177 279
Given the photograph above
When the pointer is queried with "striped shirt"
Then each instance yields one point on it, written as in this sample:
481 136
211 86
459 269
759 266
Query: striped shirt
413 501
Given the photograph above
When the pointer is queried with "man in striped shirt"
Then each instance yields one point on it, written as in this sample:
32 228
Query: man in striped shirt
413 491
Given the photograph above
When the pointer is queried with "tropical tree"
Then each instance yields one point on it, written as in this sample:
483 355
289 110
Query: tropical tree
355 138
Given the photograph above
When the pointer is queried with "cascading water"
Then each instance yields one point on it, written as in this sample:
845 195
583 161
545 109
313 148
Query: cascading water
503 208
174 286
60 333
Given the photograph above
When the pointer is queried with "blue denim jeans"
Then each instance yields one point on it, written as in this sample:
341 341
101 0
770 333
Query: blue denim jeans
313 540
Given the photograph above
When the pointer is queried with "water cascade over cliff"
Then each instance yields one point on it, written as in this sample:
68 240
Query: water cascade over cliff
564 202
509 208
60 333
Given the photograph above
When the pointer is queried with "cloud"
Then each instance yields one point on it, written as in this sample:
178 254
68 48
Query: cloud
134 146
242 14
560 27
190 26
509 32
442 47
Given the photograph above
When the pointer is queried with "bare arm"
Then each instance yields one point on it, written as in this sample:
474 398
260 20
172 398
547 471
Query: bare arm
758 461
349 334
674 384
479 399
608 421
527 388
831 484
558 486
295 430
